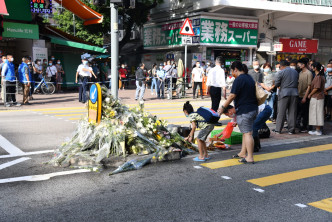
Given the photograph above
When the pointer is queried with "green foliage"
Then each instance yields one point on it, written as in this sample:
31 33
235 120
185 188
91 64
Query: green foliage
94 33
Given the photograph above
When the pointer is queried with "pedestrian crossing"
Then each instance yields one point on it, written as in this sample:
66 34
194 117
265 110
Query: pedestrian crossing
296 176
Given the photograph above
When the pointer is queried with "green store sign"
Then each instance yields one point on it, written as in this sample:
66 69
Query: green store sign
20 30
209 32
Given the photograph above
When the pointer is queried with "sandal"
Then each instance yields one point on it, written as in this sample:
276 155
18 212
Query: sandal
243 160
236 156
197 159
208 158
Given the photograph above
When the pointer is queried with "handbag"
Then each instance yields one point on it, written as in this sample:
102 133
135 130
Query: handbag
261 95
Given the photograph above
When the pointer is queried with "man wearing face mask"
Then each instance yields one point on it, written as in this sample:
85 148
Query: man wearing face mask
51 71
305 79
197 79
53 60
293 65
161 75
24 74
256 73
59 75
8 72
83 71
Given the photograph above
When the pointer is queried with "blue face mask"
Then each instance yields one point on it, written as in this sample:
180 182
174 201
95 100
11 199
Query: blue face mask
329 69
85 62
187 115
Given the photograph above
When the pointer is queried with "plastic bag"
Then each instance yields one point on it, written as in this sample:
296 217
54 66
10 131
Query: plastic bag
227 131
132 165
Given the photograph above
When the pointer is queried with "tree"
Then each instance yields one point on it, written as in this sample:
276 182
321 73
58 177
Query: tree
95 33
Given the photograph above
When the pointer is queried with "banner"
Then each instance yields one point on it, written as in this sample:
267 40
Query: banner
306 46
39 53
20 30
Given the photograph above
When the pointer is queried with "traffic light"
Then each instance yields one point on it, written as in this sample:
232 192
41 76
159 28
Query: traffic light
1 26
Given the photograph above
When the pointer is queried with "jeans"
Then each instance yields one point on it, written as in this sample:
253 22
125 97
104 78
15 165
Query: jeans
160 87
154 85
261 119
270 102
140 88
82 90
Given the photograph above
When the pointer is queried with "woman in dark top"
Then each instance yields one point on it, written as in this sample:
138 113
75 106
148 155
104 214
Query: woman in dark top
244 95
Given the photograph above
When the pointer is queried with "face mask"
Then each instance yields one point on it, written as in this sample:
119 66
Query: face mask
277 69
123 67
160 67
232 116
38 63
292 67
187 115
52 58
11 60
256 67
198 65
29 63
6 60
50 64
85 62
45 62
59 62
329 69
267 70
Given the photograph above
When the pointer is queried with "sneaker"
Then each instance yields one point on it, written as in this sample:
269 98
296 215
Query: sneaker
303 131
312 132
291 133
276 132
319 133
7 105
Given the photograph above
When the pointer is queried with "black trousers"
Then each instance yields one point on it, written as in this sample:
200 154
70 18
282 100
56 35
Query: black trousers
200 88
275 108
215 93
303 114
10 92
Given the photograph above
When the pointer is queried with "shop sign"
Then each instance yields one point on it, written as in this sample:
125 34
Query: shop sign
214 32
306 46
20 30
41 6
228 33
278 47
95 103
39 53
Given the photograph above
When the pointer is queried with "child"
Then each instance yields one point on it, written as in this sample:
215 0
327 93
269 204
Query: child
198 121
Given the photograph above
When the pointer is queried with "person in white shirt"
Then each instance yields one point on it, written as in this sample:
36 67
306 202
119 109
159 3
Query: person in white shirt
197 78
84 72
208 68
215 83
51 71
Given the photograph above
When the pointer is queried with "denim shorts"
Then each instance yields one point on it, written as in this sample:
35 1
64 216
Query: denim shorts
204 133
246 121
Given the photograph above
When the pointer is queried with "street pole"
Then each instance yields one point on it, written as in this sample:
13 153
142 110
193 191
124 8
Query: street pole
74 24
114 50
185 68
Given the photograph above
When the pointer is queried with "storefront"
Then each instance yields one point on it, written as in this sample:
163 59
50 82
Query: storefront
297 48
230 38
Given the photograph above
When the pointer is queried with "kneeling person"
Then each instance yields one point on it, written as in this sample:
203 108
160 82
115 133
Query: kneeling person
197 121
264 112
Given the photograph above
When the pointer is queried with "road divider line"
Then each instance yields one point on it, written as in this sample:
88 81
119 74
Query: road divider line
81 114
42 177
69 111
9 147
75 119
11 163
325 204
27 154
291 176
269 156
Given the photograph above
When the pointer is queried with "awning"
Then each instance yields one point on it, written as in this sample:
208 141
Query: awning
3 9
77 45
81 10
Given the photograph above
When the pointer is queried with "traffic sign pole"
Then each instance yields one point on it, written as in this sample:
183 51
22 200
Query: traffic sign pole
185 68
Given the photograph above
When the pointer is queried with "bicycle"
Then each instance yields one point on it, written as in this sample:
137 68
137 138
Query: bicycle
46 87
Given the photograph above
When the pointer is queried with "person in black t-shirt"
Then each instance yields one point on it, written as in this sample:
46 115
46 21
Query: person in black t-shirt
244 95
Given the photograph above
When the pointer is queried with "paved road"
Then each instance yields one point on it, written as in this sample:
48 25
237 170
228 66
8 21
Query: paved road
291 180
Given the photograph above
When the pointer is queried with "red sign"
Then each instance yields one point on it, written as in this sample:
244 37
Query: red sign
299 45
187 28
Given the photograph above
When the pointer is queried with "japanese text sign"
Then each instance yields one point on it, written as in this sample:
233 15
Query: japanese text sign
299 45
41 6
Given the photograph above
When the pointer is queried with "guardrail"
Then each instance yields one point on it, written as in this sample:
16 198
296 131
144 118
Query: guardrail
327 3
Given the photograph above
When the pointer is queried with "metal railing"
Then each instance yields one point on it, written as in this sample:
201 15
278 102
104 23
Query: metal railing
327 3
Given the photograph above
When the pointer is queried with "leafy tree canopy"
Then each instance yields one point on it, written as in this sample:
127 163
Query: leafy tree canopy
95 33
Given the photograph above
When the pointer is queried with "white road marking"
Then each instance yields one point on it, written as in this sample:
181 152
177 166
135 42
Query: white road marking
259 190
9 147
301 205
59 118
197 167
73 122
27 154
42 176
226 177
11 163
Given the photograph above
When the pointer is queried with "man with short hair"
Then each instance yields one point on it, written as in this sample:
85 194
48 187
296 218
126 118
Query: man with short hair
197 79
25 79
287 80
215 83
8 72
256 73
305 79
140 82
161 82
